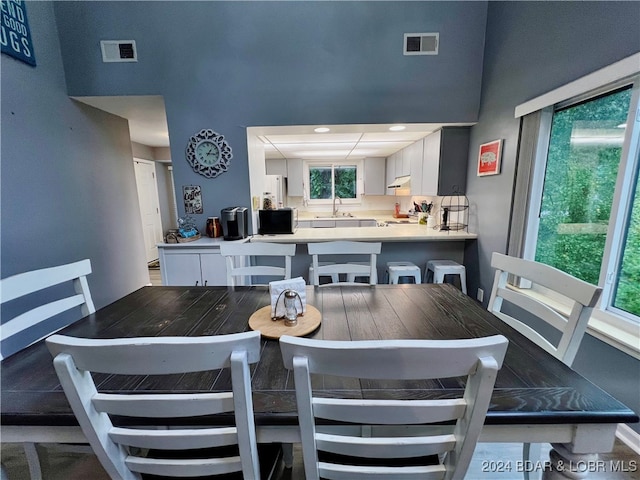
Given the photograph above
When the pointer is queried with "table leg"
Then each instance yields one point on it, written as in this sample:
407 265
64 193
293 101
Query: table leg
565 464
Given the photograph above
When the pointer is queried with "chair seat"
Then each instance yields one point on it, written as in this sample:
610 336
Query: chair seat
395 270
440 268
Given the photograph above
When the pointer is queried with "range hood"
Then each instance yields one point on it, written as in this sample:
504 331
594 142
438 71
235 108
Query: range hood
401 182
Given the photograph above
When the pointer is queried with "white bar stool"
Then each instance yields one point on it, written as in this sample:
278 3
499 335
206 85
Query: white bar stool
395 270
440 268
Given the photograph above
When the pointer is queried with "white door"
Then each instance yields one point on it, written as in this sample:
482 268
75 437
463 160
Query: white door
149 206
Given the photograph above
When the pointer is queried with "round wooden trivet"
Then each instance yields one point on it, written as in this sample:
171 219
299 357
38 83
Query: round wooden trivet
307 323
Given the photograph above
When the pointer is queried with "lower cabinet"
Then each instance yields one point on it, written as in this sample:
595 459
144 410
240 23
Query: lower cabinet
192 267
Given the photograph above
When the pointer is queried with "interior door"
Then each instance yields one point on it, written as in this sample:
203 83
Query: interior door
149 206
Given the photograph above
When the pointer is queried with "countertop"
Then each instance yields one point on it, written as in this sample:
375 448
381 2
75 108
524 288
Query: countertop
391 233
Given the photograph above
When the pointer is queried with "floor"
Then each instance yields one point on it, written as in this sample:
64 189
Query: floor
488 459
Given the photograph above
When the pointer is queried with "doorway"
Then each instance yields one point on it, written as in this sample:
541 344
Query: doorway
149 203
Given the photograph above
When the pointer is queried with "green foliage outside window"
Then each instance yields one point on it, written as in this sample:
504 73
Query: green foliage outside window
320 183
580 178
627 296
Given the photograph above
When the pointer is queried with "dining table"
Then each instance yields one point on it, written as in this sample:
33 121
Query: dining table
536 399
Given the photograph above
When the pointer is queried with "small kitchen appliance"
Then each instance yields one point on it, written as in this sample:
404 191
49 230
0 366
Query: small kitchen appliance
279 221
235 223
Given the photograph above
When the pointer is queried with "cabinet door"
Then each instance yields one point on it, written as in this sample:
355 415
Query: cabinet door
391 174
454 157
182 269
374 176
214 269
414 154
276 166
431 164
402 169
294 180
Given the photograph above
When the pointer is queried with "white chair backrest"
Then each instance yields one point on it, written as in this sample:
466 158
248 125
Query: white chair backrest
477 359
238 259
583 297
347 249
75 358
28 327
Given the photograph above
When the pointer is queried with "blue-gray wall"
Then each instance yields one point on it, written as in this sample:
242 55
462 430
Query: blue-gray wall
531 48
229 65
68 189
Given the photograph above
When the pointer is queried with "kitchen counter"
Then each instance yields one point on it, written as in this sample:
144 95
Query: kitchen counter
411 232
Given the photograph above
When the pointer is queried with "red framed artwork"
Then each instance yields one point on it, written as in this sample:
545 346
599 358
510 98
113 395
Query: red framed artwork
489 158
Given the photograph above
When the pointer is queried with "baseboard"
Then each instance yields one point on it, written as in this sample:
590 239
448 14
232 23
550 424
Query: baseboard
629 437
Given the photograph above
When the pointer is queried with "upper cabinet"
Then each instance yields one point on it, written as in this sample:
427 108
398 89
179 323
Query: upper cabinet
444 165
276 166
374 176
295 182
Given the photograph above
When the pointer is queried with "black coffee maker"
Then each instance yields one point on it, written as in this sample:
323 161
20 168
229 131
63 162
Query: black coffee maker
235 222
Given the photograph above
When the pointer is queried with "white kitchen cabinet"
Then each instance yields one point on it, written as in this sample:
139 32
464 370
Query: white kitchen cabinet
390 174
444 165
197 263
374 176
295 180
403 164
276 166
180 268
414 155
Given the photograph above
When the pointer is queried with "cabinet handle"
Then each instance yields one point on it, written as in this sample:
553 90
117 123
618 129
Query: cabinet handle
196 283
205 282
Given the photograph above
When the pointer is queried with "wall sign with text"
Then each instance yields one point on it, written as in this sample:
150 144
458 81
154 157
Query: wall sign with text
15 36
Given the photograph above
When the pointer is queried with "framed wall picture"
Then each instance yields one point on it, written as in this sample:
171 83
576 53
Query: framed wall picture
192 195
489 158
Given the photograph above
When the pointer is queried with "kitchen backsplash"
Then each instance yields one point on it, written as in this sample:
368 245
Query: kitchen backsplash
368 203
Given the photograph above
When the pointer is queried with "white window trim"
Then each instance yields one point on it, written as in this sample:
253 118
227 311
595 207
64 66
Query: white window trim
359 163
605 324
615 72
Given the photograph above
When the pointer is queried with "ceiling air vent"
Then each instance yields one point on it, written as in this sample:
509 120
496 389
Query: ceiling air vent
119 51
421 43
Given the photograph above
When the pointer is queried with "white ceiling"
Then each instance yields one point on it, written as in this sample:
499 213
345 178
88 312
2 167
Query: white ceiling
148 126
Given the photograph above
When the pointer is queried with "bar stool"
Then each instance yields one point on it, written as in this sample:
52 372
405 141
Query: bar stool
440 268
395 270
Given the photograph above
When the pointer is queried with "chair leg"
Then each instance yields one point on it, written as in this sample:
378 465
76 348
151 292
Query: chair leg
287 454
463 281
530 456
31 453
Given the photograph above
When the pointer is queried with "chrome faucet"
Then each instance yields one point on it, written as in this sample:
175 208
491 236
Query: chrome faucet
335 209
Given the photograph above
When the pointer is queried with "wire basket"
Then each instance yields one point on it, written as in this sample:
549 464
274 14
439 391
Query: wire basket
454 213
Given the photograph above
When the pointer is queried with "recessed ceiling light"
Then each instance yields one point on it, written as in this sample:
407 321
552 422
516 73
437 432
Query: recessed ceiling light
321 130
397 128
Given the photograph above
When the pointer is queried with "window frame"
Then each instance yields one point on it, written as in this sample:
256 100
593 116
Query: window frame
608 323
359 164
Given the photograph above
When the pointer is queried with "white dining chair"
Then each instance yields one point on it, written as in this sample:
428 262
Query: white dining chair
65 289
348 249
579 297
121 449
372 450
239 258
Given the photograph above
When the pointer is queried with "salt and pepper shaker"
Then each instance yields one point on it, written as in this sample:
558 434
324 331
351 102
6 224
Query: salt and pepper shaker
291 311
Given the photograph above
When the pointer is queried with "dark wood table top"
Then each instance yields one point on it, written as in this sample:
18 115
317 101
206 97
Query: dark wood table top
532 387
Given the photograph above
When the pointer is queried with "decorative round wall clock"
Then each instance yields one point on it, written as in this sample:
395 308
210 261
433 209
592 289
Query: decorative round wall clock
208 153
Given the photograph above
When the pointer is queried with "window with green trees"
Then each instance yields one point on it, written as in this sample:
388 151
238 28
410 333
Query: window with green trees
327 180
582 166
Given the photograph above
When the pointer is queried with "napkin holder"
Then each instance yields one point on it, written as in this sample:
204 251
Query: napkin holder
276 289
